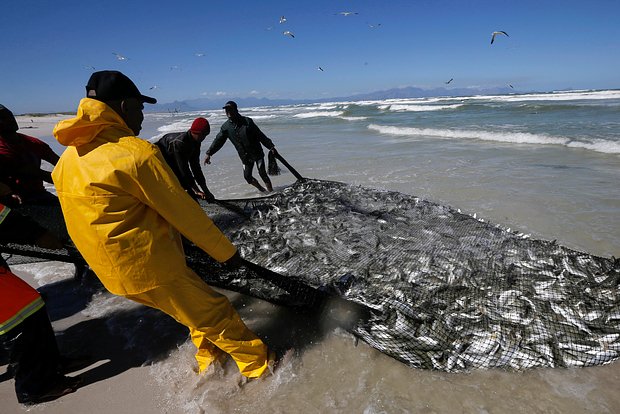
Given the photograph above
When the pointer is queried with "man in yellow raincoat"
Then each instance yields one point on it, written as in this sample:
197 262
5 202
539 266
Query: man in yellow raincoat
125 208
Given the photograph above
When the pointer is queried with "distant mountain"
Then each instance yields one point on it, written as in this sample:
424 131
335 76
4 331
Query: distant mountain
413 92
199 104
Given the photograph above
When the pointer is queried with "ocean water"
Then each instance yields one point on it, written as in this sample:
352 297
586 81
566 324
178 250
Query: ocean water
547 165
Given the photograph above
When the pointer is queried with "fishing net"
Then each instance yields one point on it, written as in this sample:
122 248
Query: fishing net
442 290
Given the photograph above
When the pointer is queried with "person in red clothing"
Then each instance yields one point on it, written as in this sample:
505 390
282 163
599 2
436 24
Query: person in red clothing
25 329
20 161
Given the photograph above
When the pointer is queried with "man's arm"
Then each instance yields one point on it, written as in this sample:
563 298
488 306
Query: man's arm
217 143
40 148
179 153
262 138
7 196
155 185
199 177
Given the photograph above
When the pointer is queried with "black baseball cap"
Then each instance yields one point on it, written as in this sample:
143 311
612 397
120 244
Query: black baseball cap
230 104
112 85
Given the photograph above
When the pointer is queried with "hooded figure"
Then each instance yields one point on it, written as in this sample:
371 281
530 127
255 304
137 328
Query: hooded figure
125 210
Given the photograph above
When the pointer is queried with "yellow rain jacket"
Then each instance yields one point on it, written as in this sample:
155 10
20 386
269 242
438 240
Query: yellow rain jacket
124 209
121 203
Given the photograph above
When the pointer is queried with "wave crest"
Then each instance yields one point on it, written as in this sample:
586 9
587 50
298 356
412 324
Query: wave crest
599 145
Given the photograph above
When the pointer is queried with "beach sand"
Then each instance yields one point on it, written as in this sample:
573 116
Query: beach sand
121 341
39 125
114 384
143 363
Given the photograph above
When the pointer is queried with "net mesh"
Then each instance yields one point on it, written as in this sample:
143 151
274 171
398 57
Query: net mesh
442 290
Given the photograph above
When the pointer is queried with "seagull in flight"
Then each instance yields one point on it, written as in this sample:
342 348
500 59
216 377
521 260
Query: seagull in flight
120 57
282 19
500 32
320 68
153 87
199 54
451 79
288 33
374 26
346 13
511 87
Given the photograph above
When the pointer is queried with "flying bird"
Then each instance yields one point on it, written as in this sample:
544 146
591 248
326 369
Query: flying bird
90 68
282 19
497 33
320 68
288 33
346 13
120 57
451 79
199 54
374 26
511 87
153 87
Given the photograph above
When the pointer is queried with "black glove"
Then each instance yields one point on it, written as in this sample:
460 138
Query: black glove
235 261
209 196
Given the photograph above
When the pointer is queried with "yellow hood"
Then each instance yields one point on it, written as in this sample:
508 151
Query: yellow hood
92 118
123 205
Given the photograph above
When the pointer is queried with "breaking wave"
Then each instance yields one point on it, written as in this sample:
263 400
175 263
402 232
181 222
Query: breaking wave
418 108
599 145
316 114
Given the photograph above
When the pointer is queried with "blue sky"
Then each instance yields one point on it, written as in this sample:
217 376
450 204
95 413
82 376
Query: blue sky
49 47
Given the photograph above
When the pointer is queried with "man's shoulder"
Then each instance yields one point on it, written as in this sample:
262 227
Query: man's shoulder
30 139
172 136
138 147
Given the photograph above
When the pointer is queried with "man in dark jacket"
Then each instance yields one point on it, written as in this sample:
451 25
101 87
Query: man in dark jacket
182 153
247 139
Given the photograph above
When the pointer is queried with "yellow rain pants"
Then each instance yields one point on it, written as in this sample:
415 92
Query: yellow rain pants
214 325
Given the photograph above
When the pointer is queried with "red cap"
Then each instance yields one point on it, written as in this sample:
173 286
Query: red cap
200 126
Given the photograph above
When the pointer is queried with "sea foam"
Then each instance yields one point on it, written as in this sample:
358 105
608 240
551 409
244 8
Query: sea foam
600 145
418 108
316 114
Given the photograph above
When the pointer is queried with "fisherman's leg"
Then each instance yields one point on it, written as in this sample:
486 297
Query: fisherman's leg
159 298
247 174
260 166
34 356
212 321
207 353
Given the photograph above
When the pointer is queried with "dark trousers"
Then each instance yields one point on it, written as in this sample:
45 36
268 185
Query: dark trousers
33 355
248 167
